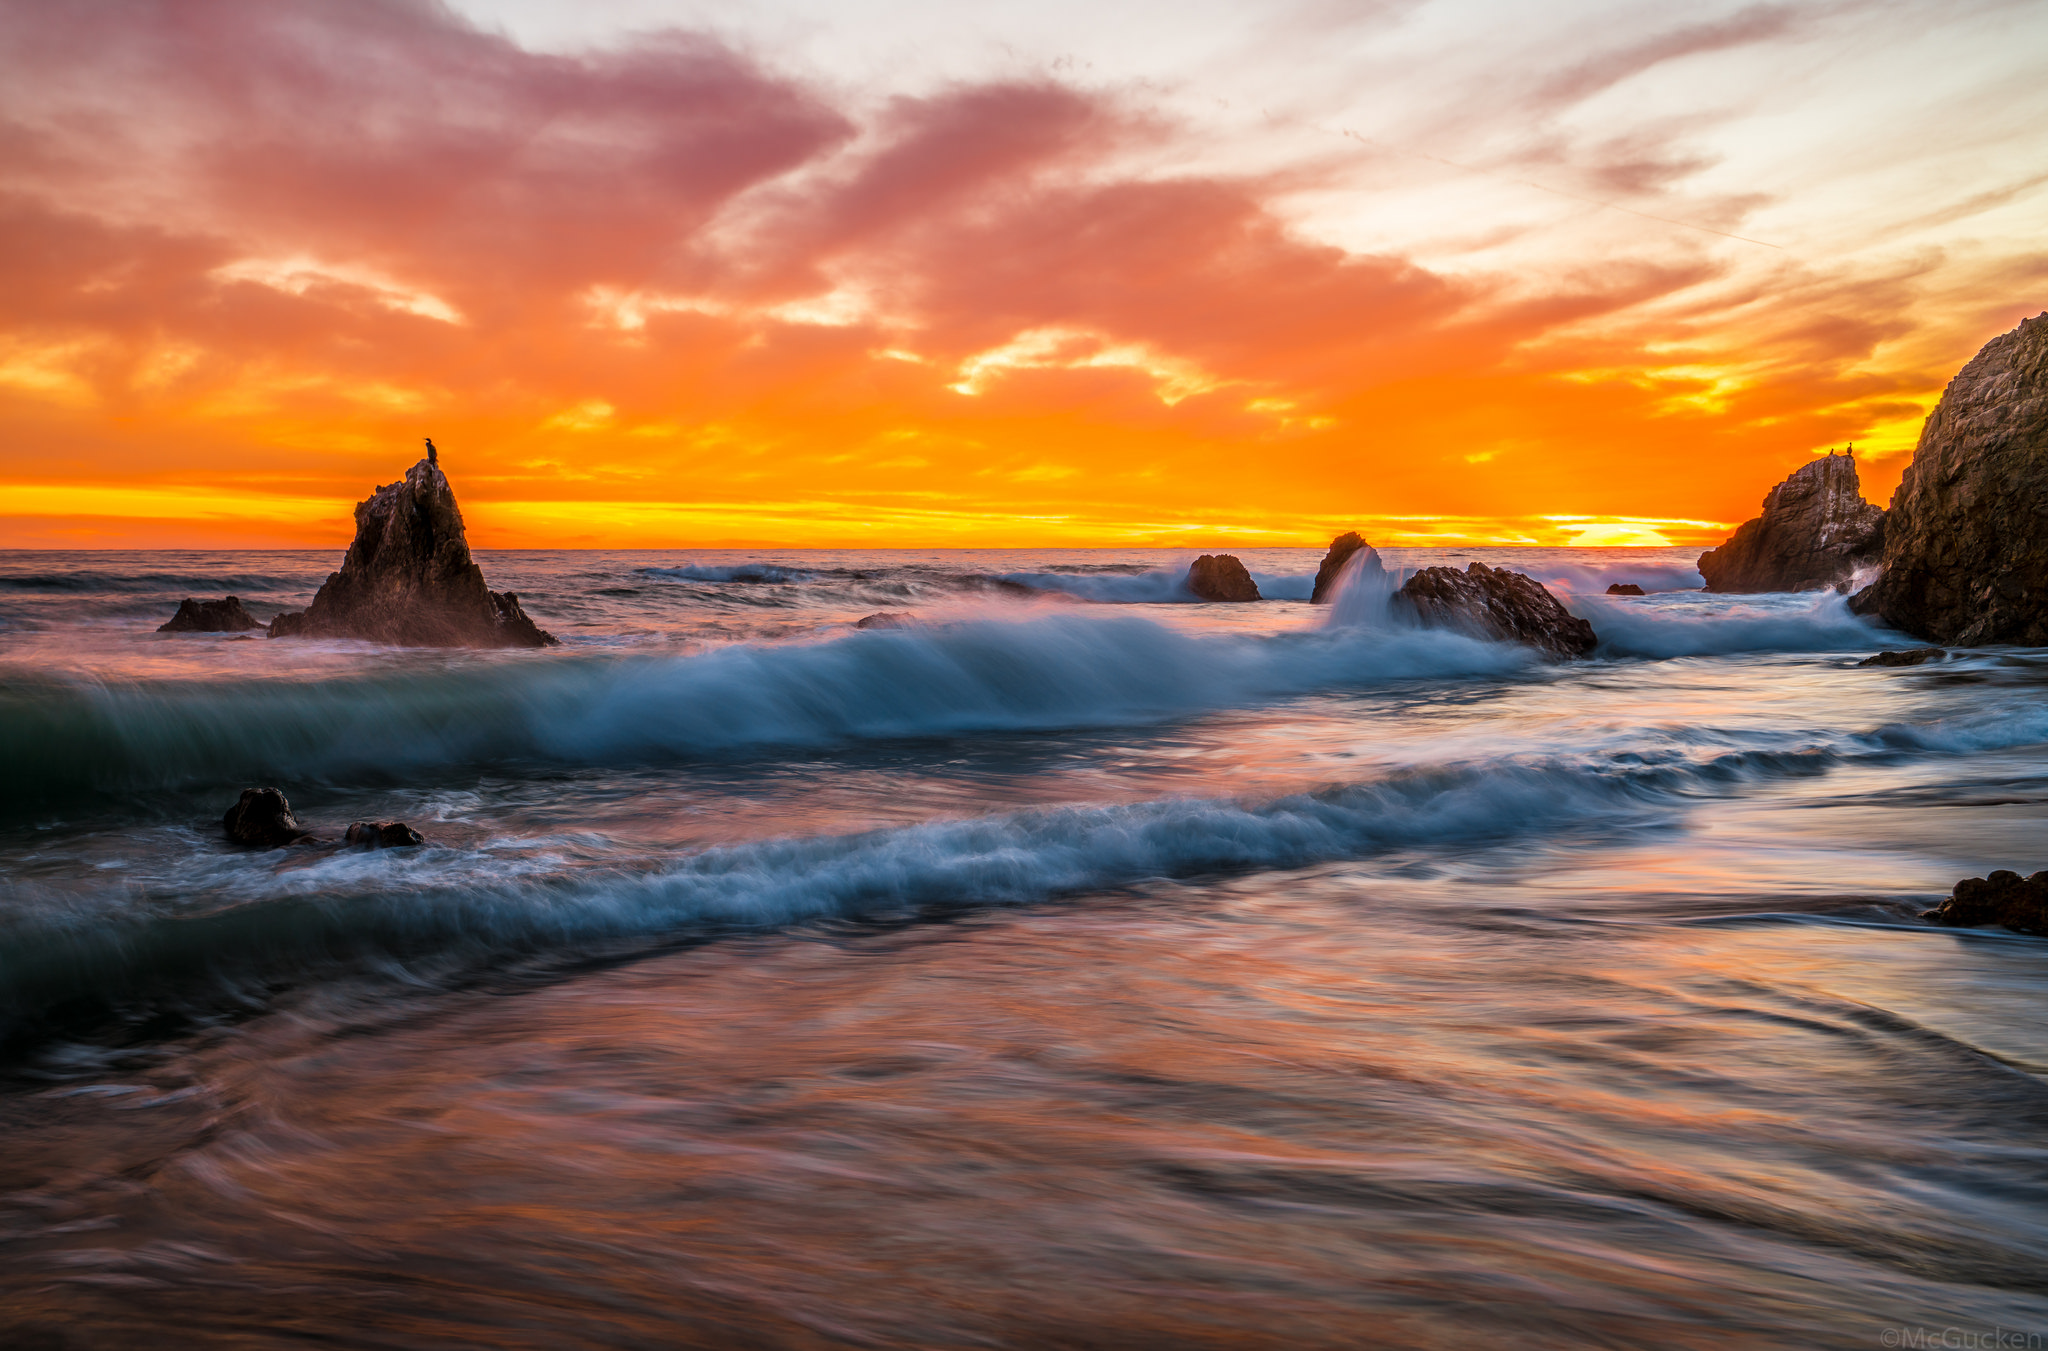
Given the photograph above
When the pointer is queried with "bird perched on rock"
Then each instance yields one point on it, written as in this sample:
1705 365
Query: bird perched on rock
432 458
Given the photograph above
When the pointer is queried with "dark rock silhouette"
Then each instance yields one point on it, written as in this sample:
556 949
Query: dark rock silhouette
1624 589
1912 657
1221 577
2002 898
383 835
1816 530
209 616
262 817
886 619
1966 542
1341 550
408 578
1496 604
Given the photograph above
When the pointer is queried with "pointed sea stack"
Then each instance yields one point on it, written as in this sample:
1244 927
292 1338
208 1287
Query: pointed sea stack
1341 550
1816 530
408 578
1966 543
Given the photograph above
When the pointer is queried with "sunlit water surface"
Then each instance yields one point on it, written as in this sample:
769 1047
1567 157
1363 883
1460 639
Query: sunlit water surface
1077 966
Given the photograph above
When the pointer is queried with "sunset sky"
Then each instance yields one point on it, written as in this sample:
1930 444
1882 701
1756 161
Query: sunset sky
846 272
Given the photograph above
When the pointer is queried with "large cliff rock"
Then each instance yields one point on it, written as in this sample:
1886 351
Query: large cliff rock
1342 549
1816 530
1221 577
1966 542
1496 604
408 578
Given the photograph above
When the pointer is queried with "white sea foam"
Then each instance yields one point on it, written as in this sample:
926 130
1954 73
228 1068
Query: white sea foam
1702 625
1582 578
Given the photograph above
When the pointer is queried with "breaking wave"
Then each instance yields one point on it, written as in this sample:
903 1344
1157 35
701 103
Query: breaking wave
737 572
1039 674
257 923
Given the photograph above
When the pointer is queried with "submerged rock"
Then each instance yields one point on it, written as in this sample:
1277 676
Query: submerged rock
1221 577
262 817
209 616
1816 530
1496 604
1966 543
2002 898
1624 589
885 619
1911 657
1342 549
408 578
383 834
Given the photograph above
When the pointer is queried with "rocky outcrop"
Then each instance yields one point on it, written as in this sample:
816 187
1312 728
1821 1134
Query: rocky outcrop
262 817
382 835
1966 542
2002 898
1342 549
209 616
1816 530
1911 657
1496 604
1221 577
1624 589
408 578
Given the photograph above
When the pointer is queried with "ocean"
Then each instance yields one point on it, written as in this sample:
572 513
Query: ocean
1075 965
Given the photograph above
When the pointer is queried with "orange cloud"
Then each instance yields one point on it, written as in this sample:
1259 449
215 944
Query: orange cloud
661 295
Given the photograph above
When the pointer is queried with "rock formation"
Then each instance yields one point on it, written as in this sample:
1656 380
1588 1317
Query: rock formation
1496 604
2002 898
1816 530
408 578
1341 550
1221 577
209 616
382 835
1911 657
1966 542
262 817
1624 589
886 619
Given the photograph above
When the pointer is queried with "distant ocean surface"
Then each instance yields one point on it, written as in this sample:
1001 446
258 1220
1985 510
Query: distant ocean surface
1079 965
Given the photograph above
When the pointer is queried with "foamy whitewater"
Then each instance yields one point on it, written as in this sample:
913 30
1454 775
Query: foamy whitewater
1074 964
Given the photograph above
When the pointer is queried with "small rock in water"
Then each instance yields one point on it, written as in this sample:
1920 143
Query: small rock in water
885 619
262 817
2003 898
1498 605
1221 577
1910 657
383 834
1624 589
209 616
